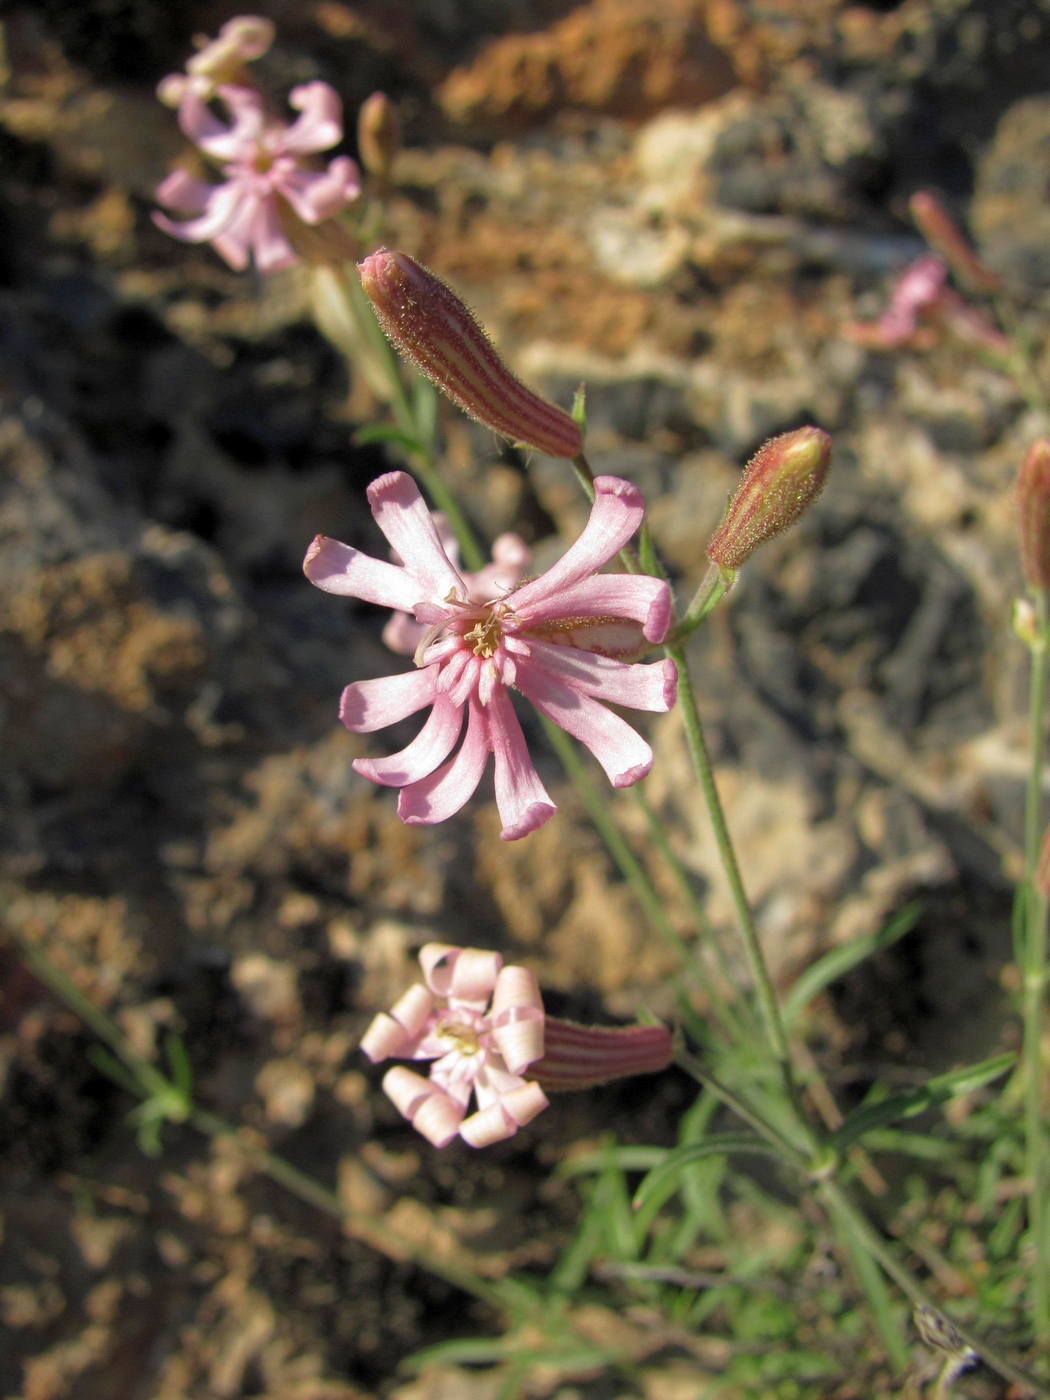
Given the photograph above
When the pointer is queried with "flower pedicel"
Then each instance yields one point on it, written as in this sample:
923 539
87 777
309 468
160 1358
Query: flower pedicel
560 639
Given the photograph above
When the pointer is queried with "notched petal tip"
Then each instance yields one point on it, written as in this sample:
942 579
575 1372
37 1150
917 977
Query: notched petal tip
535 816
630 776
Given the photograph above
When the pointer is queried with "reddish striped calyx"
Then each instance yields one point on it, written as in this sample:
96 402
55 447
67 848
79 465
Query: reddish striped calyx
429 324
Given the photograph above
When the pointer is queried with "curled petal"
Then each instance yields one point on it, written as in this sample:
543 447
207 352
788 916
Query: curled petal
402 515
257 226
426 1106
521 799
440 795
466 976
517 1018
219 211
316 195
431 746
394 1033
615 516
182 193
502 1119
622 752
370 705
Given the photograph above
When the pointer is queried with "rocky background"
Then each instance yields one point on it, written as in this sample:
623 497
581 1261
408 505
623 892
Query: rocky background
689 205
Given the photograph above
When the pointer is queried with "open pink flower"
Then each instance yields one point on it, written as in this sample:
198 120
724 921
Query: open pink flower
558 639
267 186
481 1024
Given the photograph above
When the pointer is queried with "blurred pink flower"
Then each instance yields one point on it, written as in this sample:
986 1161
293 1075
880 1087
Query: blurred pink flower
558 639
481 1024
221 60
267 186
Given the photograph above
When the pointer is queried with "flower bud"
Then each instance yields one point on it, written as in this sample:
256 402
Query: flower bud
429 324
1033 510
378 135
1041 878
784 476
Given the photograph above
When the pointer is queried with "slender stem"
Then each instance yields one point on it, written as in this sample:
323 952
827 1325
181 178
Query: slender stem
148 1080
712 590
841 1206
372 1232
790 1153
765 994
728 1010
626 861
1034 982
405 415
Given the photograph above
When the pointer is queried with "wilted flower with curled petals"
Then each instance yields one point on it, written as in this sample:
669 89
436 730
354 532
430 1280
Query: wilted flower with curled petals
269 194
510 558
219 61
483 1026
558 639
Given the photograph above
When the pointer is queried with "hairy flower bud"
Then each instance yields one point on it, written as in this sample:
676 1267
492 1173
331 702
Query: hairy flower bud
378 135
784 476
427 322
1033 509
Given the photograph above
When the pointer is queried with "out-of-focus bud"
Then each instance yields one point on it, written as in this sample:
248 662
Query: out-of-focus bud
936 226
220 60
429 324
784 476
1033 514
378 135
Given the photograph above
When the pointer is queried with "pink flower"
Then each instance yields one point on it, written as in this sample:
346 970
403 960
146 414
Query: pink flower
482 1025
241 40
558 639
510 558
267 188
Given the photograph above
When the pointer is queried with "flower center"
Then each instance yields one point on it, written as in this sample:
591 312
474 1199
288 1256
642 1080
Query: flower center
463 1038
487 633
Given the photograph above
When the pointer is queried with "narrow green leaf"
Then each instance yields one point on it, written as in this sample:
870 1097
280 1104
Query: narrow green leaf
839 961
924 1096
382 432
678 1160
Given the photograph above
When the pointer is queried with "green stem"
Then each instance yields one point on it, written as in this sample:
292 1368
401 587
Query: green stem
707 597
149 1081
408 420
767 1002
626 861
791 1155
1034 982
840 1206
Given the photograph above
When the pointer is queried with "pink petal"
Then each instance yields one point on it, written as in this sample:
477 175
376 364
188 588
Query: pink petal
428 1108
219 211
465 976
636 596
182 193
503 1119
316 195
267 239
370 705
639 686
402 515
339 568
321 123
402 634
517 1018
442 794
521 799
622 752
393 1034
615 516
431 746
